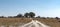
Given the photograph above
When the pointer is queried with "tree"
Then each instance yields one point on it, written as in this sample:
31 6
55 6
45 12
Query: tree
31 14
26 14
43 18
10 16
19 15
38 17
1 16
57 18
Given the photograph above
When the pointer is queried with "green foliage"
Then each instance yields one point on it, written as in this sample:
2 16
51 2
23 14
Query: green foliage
26 14
31 14
19 15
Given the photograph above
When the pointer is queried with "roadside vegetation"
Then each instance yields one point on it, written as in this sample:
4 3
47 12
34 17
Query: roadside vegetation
20 18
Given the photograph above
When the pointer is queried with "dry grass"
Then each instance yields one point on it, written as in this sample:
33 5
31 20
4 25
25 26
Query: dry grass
50 22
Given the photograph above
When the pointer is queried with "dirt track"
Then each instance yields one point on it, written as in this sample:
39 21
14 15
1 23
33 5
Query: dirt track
13 21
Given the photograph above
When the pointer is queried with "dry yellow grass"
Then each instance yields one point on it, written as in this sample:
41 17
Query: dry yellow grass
50 22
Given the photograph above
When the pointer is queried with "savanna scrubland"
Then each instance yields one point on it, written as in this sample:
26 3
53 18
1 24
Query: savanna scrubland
53 22
28 17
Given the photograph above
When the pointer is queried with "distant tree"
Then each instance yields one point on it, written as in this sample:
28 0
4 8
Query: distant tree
10 17
57 18
31 14
43 17
19 15
1 16
38 17
47 17
26 14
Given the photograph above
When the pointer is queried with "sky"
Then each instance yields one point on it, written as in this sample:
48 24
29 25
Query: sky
44 8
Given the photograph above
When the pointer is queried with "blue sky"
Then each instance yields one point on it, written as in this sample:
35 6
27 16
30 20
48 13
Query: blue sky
45 8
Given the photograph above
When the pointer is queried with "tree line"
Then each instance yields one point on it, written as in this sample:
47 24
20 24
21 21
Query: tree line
26 15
